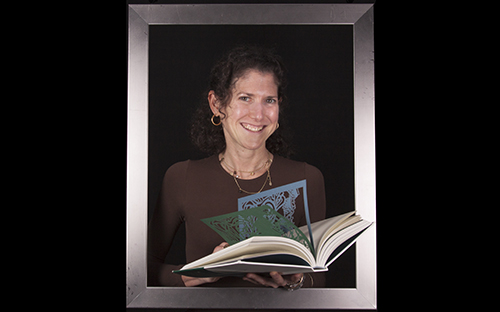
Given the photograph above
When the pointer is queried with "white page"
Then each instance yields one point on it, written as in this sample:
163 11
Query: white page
340 237
319 228
255 245
258 267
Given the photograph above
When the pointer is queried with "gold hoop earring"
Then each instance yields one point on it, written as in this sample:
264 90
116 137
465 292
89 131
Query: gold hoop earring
212 120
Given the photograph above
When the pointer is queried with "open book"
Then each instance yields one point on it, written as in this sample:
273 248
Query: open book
284 248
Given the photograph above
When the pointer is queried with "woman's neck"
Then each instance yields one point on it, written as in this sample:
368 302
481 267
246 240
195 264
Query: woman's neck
247 164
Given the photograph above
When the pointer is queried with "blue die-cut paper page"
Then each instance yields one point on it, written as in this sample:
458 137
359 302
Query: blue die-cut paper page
282 199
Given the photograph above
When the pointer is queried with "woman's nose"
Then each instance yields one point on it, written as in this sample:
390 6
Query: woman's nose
257 110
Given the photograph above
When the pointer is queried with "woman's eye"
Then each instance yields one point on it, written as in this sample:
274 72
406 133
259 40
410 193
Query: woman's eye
271 101
245 98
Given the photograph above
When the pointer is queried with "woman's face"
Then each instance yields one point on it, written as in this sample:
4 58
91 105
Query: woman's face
252 115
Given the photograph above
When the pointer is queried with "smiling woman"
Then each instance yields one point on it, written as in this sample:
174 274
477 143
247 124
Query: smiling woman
236 78
238 125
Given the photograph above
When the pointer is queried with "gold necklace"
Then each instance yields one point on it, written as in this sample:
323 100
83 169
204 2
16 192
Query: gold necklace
252 173
235 176
263 185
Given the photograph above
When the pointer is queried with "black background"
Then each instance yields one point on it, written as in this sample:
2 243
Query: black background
404 102
319 115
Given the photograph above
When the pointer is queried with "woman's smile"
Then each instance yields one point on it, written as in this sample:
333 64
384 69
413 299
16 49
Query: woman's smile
252 128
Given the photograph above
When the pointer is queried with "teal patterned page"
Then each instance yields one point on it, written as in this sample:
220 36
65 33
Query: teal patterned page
282 199
259 221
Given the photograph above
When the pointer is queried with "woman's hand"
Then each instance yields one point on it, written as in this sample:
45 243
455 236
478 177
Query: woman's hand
195 281
275 281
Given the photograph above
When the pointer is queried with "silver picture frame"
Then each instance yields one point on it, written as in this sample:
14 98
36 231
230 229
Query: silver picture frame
139 295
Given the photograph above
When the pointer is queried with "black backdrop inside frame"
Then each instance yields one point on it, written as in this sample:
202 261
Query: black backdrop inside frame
319 59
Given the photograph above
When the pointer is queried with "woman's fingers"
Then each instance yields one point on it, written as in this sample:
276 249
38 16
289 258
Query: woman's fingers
275 281
195 281
257 279
278 279
221 246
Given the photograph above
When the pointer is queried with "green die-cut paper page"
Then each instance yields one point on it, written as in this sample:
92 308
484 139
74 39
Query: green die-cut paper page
259 221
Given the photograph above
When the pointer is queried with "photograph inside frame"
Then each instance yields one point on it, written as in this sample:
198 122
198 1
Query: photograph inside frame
318 116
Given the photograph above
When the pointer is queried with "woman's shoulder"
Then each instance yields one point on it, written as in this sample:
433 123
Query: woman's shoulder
294 164
290 165
178 168
182 167
287 162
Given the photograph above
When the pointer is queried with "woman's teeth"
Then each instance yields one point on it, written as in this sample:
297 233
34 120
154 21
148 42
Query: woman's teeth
252 128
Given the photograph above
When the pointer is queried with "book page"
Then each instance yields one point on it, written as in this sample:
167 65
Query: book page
238 267
349 233
255 246
283 200
321 229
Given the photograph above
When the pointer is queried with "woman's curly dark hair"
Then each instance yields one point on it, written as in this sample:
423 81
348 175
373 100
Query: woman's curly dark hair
209 138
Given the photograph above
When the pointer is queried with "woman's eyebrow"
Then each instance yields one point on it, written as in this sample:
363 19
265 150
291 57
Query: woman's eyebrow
245 93
251 94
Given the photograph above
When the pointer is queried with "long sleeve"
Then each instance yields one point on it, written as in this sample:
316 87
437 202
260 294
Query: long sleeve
317 211
165 221
315 193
